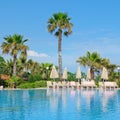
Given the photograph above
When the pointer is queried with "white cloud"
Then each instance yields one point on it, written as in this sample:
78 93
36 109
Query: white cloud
33 53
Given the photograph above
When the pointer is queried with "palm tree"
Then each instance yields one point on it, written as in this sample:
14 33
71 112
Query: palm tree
32 67
46 69
8 69
60 24
20 66
92 60
14 45
29 64
2 61
104 62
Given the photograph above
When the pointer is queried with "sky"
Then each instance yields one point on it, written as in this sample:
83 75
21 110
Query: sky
96 28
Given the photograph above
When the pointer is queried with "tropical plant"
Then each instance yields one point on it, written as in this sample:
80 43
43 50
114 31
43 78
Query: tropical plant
71 76
35 68
20 66
14 81
29 65
2 61
45 70
35 77
8 67
104 62
60 24
36 84
92 60
14 45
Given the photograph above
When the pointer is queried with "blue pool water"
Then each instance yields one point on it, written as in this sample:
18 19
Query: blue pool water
62 104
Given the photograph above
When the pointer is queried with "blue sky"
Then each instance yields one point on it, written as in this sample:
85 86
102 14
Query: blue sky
96 28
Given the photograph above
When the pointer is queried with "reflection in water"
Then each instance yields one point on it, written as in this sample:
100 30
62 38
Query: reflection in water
53 97
56 95
89 95
59 104
79 97
64 99
72 93
25 95
106 96
66 95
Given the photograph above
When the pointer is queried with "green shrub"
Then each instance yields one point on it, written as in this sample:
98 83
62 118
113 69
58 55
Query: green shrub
40 84
33 78
14 81
25 85
36 84
71 76
97 83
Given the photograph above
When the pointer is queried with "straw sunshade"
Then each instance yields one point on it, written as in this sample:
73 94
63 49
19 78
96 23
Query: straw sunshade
78 74
65 74
54 73
104 74
88 74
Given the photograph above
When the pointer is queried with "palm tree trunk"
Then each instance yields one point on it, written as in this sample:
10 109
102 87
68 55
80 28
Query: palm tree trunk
92 73
14 65
60 54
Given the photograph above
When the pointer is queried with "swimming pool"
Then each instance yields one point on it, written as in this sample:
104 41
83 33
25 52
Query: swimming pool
61 104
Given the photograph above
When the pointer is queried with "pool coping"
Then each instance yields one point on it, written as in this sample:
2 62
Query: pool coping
48 88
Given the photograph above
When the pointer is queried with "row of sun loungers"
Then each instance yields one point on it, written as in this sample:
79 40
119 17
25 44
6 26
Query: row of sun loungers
62 84
88 84
72 84
110 85
84 84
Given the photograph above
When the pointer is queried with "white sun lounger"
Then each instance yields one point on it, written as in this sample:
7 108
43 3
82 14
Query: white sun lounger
88 84
1 87
72 84
49 84
110 85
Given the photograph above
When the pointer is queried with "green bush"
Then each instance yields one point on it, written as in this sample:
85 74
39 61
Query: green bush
71 76
14 81
33 78
40 84
36 84
97 83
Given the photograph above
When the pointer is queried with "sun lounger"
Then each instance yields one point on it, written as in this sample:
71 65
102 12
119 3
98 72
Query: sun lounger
88 84
68 84
49 84
59 85
78 85
1 87
100 84
116 86
73 84
55 85
110 85
65 84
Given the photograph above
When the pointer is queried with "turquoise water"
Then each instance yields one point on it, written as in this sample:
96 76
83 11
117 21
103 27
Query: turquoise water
62 104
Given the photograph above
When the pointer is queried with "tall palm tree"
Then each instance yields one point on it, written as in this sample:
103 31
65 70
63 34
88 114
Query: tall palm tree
60 24
92 60
14 45
20 66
